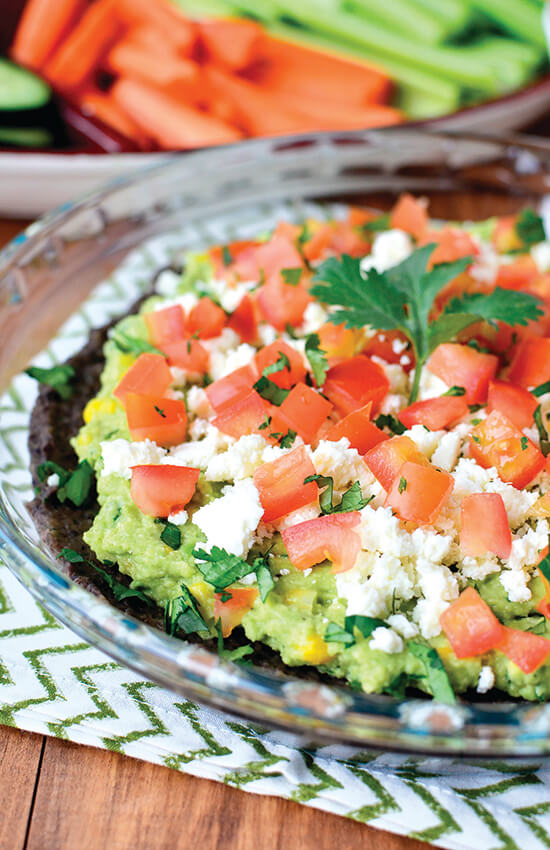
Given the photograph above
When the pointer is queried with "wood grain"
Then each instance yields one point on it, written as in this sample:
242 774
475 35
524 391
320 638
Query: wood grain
88 798
19 763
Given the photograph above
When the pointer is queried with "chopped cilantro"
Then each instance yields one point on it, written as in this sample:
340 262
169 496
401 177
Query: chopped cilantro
220 568
227 259
182 614
292 276
170 534
438 681
452 391
287 440
401 298
120 591
231 654
402 485
530 228
265 424
281 363
386 420
304 235
524 443
263 574
336 634
317 359
160 411
542 389
365 625
75 485
58 378
376 225
476 421
270 391
133 345
543 433
352 499
290 331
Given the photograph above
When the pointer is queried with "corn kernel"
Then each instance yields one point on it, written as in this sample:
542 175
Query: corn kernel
84 439
98 406
315 651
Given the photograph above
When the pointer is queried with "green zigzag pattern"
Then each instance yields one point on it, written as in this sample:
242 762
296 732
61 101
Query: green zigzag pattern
176 733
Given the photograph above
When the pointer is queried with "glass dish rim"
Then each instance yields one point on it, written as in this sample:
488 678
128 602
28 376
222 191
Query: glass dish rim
341 714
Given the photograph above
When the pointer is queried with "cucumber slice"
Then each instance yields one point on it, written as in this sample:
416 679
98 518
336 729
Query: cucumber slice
25 137
20 89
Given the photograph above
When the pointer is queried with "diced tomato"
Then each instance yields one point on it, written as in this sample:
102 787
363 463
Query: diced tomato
148 374
163 420
484 526
497 442
166 325
286 378
411 215
419 492
243 320
320 242
526 650
382 345
278 253
243 416
350 240
206 319
303 410
228 390
470 625
281 303
353 383
386 459
451 244
232 611
328 537
541 508
337 341
504 236
531 364
188 354
517 274
358 429
435 413
237 259
280 484
159 490
515 402
463 366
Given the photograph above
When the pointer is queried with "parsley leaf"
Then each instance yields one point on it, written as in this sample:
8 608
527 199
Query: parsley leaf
530 228
120 591
182 614
270 391
454 391
386 420
170 534
352 499
382 222
317 359
220 568
133 344
402 297
292 276
58 378
436 674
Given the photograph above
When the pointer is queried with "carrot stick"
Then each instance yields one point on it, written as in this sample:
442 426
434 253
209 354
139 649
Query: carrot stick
159 15
79 55
231 43
102 106
329 115
129 59
310 73
174 125
259 113
41 28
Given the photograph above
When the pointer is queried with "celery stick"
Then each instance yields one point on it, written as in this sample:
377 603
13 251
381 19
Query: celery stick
401 16
419 104
444 61
445 91
454 13
519 18
201 8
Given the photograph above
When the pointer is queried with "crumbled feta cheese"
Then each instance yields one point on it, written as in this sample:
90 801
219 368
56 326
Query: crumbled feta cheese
402 625
230 296
222 363
300 515
541 255
266 333
386 640
197 402
393 404
120 455
447 452
187 301
485 267
239 461
486 679
439 587
430 385
343 463
178 518
53 480
427 441
223 343
399 345
389 249
315 315
198 452
396 375
231 520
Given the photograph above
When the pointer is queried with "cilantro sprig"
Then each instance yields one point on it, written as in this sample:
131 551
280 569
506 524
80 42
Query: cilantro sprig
317 359
74 485
182 614
530 228
59 378
352 499
438 680
365 625
220 568
402 298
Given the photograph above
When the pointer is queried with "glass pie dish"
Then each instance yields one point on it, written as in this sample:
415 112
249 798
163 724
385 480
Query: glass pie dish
48 272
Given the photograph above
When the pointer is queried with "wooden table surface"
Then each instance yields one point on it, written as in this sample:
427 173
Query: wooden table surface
57 795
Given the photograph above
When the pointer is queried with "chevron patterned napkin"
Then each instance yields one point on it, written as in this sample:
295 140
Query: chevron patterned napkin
53 683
